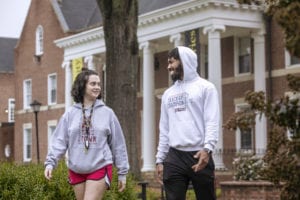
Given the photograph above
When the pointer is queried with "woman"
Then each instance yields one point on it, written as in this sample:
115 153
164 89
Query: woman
92 135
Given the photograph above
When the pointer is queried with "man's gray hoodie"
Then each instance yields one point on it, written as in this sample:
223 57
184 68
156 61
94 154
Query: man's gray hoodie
190 113
106 139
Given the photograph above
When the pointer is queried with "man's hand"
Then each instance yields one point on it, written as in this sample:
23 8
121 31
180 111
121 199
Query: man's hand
159 173
203 158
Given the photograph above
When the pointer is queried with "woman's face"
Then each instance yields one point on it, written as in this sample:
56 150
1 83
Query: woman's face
92 88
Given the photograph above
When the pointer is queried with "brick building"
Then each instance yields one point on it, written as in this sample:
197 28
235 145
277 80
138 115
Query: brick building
236 50
38 76
7 100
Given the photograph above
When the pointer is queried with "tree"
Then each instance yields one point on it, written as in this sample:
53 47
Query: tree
282 158
120 19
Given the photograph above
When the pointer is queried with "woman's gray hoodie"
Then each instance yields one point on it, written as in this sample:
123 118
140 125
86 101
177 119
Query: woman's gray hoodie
106 139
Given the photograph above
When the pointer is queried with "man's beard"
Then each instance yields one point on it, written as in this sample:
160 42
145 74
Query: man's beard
177 74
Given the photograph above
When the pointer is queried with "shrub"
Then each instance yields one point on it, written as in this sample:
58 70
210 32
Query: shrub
248 168
128 194
27 182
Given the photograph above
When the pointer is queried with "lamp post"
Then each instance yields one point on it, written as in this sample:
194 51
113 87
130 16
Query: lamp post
35 105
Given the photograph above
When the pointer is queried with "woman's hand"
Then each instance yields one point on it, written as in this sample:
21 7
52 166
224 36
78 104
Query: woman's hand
48 174
122 185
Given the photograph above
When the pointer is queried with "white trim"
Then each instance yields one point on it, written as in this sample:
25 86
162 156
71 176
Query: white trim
238 136
49 88
50 123
27 129
236 57
11 110
168 21
43 108
26 93
60 16
288 61
39 40
83 44
287 58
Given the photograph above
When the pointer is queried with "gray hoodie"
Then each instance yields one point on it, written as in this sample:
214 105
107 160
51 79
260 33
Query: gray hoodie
190 113
107 143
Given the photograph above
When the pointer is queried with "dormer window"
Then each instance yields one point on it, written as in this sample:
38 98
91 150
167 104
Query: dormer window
39 40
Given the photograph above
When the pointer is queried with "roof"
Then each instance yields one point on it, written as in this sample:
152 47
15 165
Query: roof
7 46
148 6
78 15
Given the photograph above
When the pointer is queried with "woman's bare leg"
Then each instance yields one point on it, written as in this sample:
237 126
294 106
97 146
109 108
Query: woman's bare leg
94 190
79 190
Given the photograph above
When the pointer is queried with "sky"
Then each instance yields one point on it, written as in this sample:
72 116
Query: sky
12 17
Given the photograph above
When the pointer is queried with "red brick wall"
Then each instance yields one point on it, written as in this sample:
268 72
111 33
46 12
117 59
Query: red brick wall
277 46
249 190
7 138
227 49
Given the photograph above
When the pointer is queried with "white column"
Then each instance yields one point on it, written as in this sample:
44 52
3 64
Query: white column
89 60
176 39
260 85
149 130
68 83
215 76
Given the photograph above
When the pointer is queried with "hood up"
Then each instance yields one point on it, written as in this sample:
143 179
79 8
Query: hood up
189 62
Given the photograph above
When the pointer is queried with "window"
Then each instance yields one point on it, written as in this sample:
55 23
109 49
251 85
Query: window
291 61
27 142
292 96
11 110
244 137
27 93
243 57
52 89
51 128
39 39
295 60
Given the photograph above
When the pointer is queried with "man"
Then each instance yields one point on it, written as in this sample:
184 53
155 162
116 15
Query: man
189 128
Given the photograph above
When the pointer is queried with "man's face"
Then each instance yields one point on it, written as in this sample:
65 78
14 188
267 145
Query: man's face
175 68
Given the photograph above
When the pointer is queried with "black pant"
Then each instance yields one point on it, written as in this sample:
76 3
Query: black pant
178 173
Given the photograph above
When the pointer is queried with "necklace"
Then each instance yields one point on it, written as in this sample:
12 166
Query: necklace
86 124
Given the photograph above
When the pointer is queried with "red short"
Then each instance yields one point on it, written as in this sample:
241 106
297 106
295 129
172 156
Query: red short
75 178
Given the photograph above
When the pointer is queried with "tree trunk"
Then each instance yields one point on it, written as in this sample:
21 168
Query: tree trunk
120 19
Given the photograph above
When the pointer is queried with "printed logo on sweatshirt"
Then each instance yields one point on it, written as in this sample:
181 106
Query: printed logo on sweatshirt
91 137
178 102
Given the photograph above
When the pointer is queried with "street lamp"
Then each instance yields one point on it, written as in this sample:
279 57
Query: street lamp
35 105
